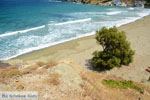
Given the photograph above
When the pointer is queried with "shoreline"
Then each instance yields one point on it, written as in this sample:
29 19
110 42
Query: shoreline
50 45
80 51
34 49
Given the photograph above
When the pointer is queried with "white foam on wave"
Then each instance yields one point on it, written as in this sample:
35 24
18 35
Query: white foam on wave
126 21
40 27
144 14
132 19
131 8
113 13
75 21
55 1
117 23
129 20
28 50
21 31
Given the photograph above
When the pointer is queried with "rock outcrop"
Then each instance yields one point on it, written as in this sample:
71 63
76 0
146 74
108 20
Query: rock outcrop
133 3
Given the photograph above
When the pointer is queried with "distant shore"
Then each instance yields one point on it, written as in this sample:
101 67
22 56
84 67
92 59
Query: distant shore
123 3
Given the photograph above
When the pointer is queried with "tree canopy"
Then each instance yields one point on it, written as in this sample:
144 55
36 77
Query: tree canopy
116 49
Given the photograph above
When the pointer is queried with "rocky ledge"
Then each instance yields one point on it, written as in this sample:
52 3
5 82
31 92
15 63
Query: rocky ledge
130 3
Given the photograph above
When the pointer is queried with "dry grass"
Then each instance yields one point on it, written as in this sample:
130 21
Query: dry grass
9 72
94 88
20 87
92 85
91 92
53 79
30 69
46 65
40 63
50 64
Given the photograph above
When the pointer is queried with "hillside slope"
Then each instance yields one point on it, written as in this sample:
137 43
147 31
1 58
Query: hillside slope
66 80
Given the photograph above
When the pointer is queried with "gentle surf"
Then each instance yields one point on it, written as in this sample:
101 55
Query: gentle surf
35 25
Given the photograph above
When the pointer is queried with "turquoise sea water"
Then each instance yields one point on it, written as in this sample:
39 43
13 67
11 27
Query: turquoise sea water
27 25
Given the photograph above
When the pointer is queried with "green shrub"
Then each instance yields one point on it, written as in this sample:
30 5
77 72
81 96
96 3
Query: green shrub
148 1
116 49
122 85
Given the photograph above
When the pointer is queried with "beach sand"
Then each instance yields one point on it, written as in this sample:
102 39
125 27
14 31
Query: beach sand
80 51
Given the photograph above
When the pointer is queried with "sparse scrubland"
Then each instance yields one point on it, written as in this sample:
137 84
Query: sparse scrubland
66 80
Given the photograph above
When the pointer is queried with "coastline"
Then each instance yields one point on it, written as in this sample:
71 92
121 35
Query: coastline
80 51
39 67
28 51
64 76
26 56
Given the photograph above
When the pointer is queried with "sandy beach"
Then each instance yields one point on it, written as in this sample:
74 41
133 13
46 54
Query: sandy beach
61 72
80 51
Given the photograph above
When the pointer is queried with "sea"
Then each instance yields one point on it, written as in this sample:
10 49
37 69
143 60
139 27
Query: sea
28 25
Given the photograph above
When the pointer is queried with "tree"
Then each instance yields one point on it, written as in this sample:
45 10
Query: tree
116 49
148 1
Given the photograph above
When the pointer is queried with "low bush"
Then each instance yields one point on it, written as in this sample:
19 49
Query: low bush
122 85
116 49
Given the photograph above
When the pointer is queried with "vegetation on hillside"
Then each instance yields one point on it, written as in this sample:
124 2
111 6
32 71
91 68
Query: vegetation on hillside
148 1
65 79
116 49
122 85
